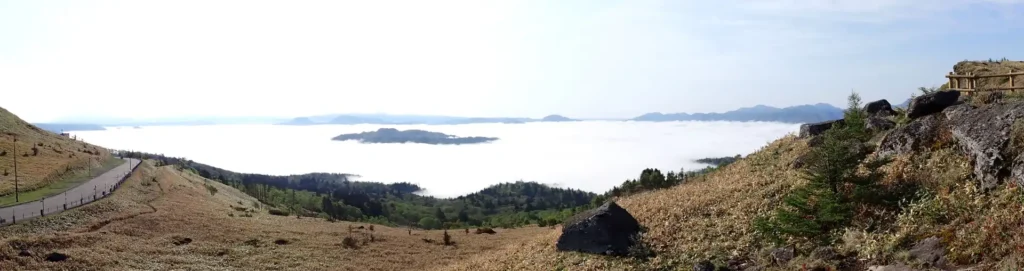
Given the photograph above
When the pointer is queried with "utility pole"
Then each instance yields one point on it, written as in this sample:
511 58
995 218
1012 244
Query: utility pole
16 197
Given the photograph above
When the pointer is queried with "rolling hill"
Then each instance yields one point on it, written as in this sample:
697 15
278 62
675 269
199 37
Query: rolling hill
43 157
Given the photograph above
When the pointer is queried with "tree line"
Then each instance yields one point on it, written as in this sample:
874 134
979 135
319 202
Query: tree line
335 196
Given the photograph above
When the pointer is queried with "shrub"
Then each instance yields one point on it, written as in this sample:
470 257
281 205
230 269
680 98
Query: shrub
349 242
275 211
371 227
6 173
485 230
3 153
447 239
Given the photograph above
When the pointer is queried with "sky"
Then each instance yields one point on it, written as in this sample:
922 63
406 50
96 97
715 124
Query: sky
531 58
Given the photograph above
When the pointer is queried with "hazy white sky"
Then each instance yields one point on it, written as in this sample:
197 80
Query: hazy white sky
580 58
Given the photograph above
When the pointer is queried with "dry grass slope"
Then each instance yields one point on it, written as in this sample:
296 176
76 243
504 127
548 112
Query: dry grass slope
711 219
687 223
164 219
43 157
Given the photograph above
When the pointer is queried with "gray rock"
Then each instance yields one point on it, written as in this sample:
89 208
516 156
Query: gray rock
931 103
878 124
607 230
895 267
813 129
930 251
824 253
915 136
879 108
782 256
704 266
983 134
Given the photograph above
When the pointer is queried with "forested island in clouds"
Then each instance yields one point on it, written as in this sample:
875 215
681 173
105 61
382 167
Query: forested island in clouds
392 135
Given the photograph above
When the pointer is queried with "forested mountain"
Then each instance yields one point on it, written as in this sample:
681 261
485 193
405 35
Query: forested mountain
335 196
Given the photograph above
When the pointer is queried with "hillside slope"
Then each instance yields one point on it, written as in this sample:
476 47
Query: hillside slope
959 172
687 223
43 157
163 218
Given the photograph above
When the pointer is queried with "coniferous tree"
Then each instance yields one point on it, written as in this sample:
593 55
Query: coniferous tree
826 203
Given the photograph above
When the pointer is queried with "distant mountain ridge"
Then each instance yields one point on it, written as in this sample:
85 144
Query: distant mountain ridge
411 119
793 114
68 127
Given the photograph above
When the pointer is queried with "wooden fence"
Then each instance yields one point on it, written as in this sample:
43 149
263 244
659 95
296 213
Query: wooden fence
968 83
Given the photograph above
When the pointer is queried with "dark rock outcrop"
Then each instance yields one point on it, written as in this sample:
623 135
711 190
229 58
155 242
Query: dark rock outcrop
930 251
56 257
607 230
813 129
982 134
877 124
704 266
914 136
931 103
879 108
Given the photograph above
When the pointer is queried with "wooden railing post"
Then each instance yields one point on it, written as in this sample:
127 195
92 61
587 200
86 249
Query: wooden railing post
952 81
1011 82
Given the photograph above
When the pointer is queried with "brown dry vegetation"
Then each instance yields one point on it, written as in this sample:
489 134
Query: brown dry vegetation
687 223
58 157
711 219
165 219
995 67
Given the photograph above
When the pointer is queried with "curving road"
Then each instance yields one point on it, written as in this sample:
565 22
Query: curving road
94 189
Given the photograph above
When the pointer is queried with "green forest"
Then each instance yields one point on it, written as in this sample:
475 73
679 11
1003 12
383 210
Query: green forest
334 197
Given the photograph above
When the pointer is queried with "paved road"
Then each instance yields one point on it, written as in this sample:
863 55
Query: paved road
94 189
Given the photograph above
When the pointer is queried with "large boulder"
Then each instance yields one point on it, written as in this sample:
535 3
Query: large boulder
813 129
931 103
983 134
879 108
607 230
915 136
